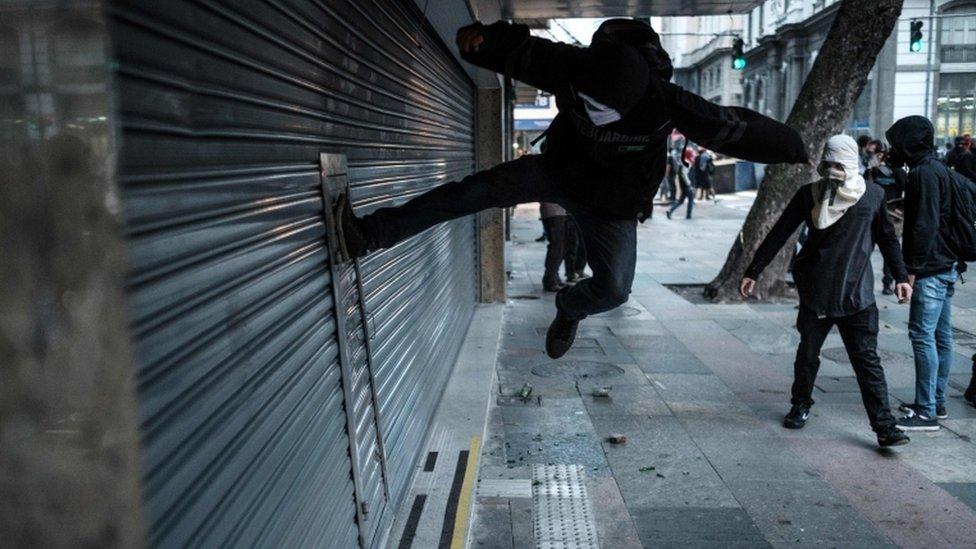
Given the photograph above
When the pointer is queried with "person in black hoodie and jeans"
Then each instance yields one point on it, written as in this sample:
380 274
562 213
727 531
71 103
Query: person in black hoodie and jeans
604 157
846 217
931 267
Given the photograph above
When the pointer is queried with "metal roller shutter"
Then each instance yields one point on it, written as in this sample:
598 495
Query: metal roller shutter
225 108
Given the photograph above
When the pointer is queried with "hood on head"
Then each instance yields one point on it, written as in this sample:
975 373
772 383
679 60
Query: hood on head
843 150
640 36
616 76
911 139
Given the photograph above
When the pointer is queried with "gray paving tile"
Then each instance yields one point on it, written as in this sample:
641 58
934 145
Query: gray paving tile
491 525
652 362
696 527
804 511
690 387
963 491
640 400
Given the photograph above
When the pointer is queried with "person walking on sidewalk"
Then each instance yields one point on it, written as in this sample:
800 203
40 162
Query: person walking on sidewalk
846 217
604 156
704 169
555 220
685 184
931 265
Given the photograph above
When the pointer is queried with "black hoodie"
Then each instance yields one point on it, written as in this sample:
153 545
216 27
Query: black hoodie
630 152
927 197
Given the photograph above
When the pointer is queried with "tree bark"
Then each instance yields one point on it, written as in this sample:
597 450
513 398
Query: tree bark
859 31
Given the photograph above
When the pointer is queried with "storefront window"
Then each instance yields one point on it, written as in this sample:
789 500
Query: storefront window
958 37
955 106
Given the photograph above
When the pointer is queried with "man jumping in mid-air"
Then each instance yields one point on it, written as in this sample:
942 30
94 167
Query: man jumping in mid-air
604 153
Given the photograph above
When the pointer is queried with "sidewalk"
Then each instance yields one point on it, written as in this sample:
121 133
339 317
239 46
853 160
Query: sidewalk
699 391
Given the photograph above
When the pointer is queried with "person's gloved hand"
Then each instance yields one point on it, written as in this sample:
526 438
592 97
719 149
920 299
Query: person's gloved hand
470 37
903 291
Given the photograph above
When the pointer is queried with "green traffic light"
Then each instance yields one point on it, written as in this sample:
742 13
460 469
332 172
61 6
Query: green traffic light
739 63
916 46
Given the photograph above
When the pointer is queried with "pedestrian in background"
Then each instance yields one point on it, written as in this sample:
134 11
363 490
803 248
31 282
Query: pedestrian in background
960 158
554 219
685 183
704 169
846 217
575 257
931 266
892 181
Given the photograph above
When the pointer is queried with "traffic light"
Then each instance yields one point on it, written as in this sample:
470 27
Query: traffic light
915 43
738 57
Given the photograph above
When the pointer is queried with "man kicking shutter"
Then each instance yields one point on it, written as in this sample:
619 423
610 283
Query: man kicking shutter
604 156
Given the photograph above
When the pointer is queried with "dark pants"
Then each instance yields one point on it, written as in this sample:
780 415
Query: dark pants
860 334
611 244
687 193
556 228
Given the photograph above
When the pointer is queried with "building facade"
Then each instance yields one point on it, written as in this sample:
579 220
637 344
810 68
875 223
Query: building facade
701 49
783 38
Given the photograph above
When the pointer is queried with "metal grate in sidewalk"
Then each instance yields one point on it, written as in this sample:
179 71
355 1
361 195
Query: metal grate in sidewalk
561 511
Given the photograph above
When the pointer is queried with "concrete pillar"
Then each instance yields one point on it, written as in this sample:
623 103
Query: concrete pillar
69 461
489 148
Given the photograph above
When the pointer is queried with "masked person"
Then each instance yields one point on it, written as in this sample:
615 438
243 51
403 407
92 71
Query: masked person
604 157
932 268
845 217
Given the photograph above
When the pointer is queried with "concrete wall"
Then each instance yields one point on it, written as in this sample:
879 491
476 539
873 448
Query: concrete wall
69 471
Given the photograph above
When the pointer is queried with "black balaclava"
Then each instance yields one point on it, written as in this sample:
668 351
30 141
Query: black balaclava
641 36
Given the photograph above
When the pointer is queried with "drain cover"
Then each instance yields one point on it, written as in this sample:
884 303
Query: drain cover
577 369
620 312
839 355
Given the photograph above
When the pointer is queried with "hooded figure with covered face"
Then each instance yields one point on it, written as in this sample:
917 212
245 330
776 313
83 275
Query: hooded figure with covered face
846 217
603 158
931 265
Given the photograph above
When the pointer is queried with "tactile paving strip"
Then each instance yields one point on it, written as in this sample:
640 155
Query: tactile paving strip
561 512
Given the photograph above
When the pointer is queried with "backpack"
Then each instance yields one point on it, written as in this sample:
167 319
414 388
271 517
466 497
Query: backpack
961 228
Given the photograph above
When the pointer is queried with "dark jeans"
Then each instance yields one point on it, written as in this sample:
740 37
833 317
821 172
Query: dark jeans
687 193
860 334
611 244
556 247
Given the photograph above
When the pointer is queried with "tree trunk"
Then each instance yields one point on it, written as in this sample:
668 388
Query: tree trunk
859 31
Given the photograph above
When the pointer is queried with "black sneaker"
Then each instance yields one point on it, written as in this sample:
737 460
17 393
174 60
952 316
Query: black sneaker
561 334
891 436
797 417
668 213
912 409
349 231
918 422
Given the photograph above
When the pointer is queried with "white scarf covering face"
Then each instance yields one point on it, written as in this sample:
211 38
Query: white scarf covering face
837 190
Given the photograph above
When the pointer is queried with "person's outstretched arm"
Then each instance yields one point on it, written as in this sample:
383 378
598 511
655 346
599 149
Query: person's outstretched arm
794 214
733 131
509 49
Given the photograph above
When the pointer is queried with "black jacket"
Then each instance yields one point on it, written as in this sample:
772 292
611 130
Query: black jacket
631 151
924 248
833 270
